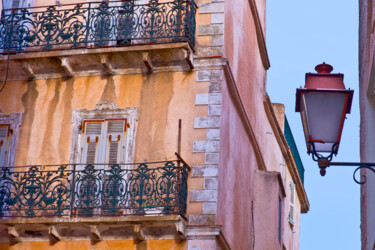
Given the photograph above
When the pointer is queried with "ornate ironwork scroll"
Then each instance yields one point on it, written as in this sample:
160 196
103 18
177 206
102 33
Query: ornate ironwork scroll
92 25
97 189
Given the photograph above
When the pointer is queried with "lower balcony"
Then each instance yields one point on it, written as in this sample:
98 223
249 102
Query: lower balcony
98 201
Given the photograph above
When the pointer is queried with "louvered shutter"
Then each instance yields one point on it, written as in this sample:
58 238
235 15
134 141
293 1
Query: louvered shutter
20 4
291 202
15 4
92 140
4 132
115 141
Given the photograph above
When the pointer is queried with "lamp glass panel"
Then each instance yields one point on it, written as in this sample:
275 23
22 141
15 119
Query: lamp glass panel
323 112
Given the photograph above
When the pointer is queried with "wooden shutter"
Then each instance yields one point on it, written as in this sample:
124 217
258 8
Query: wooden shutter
92 140
4 139
115 141
15 4
291 202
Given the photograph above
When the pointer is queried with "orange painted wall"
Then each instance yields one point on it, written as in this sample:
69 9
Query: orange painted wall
47 107
103 245
162 99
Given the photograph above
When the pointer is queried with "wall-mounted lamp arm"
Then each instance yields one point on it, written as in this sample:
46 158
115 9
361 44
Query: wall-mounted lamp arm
325 161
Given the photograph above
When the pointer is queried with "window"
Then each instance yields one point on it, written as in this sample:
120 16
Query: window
102 135
16 4
9 127
104 141
4 140
291 202
105 134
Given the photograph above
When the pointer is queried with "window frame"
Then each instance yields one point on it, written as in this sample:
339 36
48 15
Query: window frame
105 111
102 153
13 120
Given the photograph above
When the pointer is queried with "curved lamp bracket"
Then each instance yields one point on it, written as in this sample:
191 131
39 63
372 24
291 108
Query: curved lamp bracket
324 161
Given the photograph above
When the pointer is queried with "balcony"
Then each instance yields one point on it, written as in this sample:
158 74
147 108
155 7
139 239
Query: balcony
133 200
97 38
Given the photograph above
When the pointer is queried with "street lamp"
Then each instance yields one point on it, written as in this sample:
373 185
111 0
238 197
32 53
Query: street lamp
323 104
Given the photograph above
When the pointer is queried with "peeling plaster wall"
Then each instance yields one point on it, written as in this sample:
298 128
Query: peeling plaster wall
47 107
162 98
102 245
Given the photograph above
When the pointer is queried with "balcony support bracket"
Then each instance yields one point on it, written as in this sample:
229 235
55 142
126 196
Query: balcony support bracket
54 233
147 61
66 66
13 234
29 71
104 60
181 229
95 232
139 235
189 58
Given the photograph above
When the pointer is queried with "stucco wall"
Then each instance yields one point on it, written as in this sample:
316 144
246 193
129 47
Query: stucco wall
367 111
237 157
162 99
241 49
47 107
102 245
237 164
238 160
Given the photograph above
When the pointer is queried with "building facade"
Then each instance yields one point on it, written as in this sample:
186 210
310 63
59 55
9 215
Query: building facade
367 111
143 125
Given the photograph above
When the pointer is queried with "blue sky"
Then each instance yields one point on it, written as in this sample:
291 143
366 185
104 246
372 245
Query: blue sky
300 35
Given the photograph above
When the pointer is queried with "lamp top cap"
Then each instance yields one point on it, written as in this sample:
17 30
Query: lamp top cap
324 79
323 68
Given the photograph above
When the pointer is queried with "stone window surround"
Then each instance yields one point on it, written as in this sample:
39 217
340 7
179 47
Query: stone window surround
105 110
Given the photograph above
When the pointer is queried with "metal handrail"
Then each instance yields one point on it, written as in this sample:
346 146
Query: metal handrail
97 24
94 189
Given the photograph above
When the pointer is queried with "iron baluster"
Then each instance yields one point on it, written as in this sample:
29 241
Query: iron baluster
187 25
50 28
88 26
72 193
59 191
11 33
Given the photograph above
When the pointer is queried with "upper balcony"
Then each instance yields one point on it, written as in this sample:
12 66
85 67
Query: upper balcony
97 38
136 200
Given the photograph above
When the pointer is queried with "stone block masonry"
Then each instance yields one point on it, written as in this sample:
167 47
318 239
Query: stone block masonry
209 70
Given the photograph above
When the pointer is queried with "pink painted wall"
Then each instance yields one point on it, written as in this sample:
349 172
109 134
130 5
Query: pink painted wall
237 164
237 157
367 111
248 198
241 49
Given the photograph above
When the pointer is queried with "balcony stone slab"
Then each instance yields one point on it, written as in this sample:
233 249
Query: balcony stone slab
143 59
97 228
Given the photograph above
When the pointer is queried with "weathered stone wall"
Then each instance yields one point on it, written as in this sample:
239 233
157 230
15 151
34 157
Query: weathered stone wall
209 73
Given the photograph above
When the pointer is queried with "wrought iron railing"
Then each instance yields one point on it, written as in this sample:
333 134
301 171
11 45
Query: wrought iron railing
86 190
93 25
